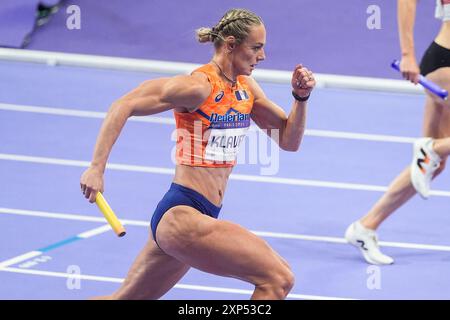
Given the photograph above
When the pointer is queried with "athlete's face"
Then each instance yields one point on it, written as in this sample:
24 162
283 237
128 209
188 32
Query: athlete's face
251 51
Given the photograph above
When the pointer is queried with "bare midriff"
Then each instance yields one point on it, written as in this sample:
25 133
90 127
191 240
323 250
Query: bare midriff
443 37
210 182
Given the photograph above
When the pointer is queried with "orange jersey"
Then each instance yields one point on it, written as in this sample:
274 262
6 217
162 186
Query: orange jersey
211 135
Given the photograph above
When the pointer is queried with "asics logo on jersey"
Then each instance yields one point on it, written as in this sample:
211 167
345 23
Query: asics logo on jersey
219 96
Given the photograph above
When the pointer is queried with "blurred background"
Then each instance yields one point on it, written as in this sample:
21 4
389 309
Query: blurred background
351 37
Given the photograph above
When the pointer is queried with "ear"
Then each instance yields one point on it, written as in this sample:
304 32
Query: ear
230 43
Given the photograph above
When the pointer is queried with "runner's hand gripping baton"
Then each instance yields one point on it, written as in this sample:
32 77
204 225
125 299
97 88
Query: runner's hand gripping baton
431 86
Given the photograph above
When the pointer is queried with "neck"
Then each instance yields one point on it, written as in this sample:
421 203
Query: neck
230 79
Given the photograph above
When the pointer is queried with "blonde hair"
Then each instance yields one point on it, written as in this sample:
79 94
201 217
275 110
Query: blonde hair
236 23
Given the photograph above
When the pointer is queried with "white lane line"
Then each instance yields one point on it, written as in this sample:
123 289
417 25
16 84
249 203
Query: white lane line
22 257
79 113
358 136
171 121
266 234
178 286
43 160
402 245
238 177
415 246
66 216
293 236
175 68
308 183
62 275
32 254
95 232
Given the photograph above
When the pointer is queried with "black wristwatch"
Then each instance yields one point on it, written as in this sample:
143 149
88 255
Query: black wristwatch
298 98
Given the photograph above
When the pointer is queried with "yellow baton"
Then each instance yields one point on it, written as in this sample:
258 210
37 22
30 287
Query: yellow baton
109 215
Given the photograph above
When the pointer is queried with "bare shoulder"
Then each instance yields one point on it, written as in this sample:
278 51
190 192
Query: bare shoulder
193 81
200 84
197 79
182 93
187 91
254 87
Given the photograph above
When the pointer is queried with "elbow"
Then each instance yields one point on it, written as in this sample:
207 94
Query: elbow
291 147
292 144
123 108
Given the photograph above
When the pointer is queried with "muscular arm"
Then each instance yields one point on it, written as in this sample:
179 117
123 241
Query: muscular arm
151 97
184 93
268 116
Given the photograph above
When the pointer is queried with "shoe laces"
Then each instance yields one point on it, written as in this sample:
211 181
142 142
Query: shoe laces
375 239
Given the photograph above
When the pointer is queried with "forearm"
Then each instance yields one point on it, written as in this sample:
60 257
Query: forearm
292 133
406 16
109 132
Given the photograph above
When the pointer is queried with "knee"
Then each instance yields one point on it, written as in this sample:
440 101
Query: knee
280 283
287 281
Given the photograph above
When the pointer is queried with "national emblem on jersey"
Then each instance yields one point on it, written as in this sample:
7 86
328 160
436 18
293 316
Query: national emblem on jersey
241 95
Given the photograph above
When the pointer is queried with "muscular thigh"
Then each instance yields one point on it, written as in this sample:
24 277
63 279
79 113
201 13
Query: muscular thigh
437 111
219 247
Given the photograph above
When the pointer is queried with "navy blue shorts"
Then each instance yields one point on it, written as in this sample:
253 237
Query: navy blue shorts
182 196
